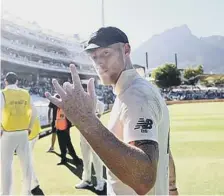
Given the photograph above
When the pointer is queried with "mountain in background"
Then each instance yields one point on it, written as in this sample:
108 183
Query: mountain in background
191 50
215 40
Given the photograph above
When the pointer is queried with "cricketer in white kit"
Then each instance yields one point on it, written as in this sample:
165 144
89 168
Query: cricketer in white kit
139 113
87 153
17 110
139 116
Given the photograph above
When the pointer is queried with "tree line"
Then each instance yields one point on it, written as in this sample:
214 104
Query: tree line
169 75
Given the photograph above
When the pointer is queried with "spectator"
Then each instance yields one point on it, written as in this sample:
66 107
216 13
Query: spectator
63 125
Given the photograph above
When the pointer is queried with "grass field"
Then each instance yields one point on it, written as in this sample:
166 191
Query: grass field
197 143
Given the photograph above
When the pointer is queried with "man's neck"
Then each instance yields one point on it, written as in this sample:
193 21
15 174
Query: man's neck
10 85
127 67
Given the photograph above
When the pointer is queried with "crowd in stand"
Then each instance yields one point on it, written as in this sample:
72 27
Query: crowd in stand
39 63
37 88
13 54
34 47
194 94
105 93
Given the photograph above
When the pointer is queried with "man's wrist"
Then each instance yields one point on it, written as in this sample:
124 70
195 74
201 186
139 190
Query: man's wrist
173 189
87 122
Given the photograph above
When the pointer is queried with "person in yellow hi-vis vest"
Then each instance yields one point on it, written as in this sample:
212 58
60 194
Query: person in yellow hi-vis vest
33 137
18 116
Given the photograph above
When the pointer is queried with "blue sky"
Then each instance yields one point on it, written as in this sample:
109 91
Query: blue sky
139 19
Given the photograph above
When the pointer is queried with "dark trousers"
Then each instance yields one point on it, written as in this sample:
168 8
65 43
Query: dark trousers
65 143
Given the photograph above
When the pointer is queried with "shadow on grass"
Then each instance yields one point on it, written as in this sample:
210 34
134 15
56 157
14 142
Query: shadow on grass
78 169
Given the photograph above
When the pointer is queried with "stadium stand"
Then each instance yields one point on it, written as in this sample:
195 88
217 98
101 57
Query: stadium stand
38 56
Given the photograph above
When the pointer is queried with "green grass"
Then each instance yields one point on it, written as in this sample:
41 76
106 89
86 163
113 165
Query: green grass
197 143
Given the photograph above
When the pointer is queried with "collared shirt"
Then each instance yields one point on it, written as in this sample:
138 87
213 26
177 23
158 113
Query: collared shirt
139 113
34 111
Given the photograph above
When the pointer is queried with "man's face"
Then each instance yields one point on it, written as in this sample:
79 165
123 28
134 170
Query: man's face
109 62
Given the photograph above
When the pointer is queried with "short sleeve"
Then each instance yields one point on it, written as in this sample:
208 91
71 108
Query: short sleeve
140 120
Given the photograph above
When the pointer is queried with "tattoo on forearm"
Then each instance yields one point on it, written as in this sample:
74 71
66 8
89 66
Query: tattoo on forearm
149 147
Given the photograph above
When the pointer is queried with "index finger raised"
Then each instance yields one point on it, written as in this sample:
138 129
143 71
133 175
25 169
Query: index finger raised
75 77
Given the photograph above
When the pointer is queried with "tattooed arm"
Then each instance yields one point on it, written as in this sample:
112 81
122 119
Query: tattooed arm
135 165
151 150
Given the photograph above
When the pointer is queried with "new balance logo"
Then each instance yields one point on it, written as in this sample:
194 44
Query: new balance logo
144 125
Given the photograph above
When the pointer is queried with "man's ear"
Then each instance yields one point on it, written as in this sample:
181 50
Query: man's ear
6 83
127 49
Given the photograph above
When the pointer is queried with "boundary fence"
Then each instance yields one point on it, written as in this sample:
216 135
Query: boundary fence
48 130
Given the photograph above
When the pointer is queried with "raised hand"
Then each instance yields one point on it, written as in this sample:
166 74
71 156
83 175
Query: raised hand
77 104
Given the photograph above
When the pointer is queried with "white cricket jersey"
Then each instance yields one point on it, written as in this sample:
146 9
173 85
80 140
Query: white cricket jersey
140 113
